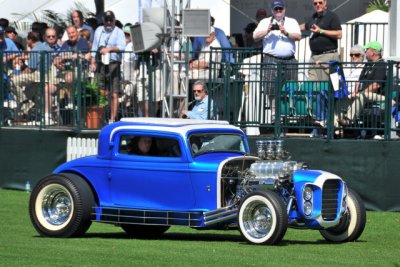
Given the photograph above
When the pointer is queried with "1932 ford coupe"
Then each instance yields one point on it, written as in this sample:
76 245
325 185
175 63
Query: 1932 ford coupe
200 174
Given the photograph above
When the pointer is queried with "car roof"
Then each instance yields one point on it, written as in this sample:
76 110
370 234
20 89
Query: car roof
170 121
177 126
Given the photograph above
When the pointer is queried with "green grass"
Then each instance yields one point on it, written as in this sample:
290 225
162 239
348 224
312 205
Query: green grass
106 245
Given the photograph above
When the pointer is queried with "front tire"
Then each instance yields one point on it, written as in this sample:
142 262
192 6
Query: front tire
144 231
352 224
262 218
60 206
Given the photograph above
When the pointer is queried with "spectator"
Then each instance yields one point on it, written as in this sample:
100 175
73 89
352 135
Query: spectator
325 31
260 15
92 22
141 145
200 108
200 42
66 61
13 35
108 42
77 21
279 34
85 34
352 71
4 23
371 86
51 40
39 27
10 50
248 31
129 70
32 73
199 68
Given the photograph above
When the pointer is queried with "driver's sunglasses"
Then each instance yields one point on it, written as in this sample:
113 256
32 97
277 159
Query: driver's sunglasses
355 55
278 8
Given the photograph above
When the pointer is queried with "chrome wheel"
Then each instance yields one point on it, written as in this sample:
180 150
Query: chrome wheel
262 218
257 219
61 205
54 206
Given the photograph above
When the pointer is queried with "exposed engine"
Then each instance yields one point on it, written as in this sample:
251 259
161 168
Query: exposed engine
273 170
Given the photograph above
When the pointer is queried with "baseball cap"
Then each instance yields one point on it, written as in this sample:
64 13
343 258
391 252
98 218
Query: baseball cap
109 15
127 30
374 45
277 3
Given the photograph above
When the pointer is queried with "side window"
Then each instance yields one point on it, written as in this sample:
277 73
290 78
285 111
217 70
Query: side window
149 146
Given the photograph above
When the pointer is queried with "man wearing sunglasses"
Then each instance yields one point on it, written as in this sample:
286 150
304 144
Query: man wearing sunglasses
325 31
278 34
372 83
200 108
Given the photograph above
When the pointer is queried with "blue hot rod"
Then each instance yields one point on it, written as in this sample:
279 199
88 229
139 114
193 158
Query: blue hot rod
195 173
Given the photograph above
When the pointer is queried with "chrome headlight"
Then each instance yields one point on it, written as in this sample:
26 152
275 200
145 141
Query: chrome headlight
307 207
307 193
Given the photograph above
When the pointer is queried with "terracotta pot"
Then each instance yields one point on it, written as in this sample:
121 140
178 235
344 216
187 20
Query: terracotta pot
94 117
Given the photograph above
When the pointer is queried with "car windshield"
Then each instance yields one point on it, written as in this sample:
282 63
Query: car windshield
216 142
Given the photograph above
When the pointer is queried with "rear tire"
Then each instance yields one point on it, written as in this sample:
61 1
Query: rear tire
144 231
352 224
60 206
262 218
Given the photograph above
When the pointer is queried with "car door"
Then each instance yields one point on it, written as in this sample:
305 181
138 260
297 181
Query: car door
157 182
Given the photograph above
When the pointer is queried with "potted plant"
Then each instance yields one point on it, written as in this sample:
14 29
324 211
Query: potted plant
95 101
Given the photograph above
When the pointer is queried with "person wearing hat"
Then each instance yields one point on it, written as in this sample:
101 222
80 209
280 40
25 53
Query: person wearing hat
13 35
106 58
371 83
8 46
278 34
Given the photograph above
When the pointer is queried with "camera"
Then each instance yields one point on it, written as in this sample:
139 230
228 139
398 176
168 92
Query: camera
274 27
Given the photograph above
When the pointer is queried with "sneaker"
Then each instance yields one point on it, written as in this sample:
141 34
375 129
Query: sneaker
319 123
378 137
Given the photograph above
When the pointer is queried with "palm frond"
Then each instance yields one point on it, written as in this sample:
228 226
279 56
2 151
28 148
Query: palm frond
377 5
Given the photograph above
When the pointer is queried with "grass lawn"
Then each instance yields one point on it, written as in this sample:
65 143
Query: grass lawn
107 245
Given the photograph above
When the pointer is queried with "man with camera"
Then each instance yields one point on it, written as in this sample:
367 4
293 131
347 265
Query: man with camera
325 31
278 34
108 42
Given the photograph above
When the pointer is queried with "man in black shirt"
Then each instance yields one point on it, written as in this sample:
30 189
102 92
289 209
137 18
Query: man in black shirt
372 82
325 31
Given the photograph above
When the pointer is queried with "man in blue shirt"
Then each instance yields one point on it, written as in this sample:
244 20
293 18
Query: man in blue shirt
220 35
108 41
200 108
31 74
10 50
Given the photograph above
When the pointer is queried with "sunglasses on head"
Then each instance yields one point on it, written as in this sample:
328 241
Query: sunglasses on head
355 55
318 3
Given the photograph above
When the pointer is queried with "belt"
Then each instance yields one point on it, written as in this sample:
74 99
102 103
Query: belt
324 52
280 58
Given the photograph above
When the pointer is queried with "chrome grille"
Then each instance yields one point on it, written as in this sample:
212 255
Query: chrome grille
330 193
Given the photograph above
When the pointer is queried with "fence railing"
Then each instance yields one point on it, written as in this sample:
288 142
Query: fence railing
70 95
